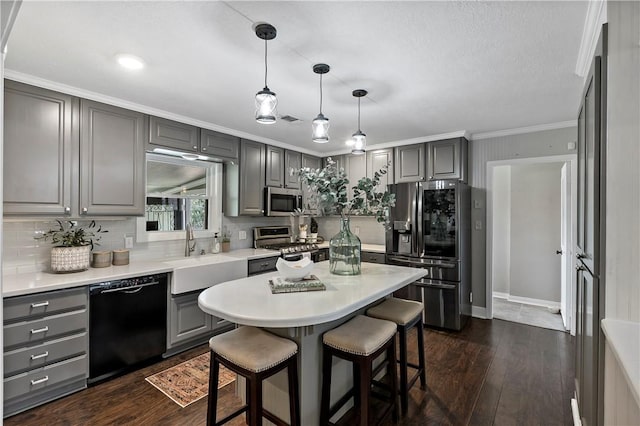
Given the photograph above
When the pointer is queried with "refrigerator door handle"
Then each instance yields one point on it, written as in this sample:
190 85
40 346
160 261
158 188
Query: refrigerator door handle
417 218
441 286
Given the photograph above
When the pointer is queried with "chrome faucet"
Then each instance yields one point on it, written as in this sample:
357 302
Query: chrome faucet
190 242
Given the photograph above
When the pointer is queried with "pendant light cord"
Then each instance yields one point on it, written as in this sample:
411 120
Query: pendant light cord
320 93
358 114
266 69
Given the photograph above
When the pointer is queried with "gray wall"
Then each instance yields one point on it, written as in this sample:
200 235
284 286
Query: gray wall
535 231
501 229
538 144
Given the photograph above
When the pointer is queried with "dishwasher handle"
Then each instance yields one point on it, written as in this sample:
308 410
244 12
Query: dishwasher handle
127 290
422 283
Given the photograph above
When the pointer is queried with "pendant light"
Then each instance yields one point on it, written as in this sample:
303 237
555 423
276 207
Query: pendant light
320 126
359 139
266 100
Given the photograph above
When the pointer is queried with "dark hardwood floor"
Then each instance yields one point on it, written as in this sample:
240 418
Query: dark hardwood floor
492 372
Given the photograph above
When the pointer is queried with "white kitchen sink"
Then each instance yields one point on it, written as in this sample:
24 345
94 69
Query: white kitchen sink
199 272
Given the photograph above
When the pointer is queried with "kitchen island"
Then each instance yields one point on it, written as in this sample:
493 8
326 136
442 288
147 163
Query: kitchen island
304 317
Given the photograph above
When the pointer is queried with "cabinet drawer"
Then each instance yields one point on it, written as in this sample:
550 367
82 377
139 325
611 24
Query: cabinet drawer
44 328
44 303
46 377
259 266
45 353
372 257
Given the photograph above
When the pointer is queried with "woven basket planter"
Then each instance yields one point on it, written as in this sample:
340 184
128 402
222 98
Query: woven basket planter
70 259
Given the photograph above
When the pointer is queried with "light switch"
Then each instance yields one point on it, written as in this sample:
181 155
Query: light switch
128 241
476 204
242 235
571 146
478 225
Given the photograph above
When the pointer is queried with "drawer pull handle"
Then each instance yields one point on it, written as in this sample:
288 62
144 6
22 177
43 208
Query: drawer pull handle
38 381
40 330
40 305
42 355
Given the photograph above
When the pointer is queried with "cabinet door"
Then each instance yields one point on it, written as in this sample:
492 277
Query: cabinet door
312 163
376 160
274 166
252 175
171 134
339 160
40 140
187 320
587 342
447 159
356 168
112 160
218 144
292 160
410 163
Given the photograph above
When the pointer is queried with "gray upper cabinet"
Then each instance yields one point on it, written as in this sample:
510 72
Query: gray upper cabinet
447 159
376 160
339 160
218 144
292 160
171 134
356 168
251 177
38 121
274 166
112 159
313 163
410 163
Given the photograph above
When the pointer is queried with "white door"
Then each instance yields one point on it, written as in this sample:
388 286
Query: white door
565 228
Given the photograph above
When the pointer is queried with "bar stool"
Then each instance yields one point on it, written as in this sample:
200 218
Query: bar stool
406 314
256 355
360 340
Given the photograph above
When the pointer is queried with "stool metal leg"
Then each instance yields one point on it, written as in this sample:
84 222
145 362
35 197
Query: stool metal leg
256 402
294 399
214 368
364 384
404 391
421 361
325 403
391 355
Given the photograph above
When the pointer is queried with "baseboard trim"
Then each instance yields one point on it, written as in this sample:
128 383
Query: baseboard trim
479 312
527 300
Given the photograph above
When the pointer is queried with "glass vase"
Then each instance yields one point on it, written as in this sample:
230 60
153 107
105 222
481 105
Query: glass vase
344 251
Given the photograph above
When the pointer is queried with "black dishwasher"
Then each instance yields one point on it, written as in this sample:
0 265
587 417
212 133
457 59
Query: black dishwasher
127 324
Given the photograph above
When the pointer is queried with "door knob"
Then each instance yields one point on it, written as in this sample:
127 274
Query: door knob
558 251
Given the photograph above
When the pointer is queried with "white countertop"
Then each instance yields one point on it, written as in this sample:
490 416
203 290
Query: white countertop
376 248
249 301
624 339
37 282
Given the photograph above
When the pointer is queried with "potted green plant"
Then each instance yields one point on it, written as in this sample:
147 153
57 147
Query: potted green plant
329 193
72 245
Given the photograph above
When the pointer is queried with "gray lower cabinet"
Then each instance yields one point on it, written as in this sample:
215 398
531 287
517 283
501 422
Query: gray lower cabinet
188 325
372 257
172 134
90 156
447 159
45 347
410 163
219 145
274 166
112 157
378 159
251 177
38 121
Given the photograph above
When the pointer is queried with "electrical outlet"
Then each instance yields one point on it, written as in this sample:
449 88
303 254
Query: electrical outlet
242 235
356 230
478 225
128 241
476 204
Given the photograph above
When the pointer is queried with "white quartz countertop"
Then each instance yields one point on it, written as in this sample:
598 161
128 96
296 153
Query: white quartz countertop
376 248
37 282
249 301
623 338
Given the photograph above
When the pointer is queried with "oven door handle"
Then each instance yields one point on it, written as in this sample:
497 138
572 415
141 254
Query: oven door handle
128 290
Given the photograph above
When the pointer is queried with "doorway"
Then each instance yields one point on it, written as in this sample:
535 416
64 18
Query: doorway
530 230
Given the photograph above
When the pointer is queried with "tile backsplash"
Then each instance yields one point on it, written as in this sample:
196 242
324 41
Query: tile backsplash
22 252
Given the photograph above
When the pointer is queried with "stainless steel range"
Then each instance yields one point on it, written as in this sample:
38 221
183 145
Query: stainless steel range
281 238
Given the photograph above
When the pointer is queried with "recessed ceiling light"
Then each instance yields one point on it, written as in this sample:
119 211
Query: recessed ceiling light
130 62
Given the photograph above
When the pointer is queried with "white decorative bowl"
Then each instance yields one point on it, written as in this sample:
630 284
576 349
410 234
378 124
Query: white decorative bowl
298 269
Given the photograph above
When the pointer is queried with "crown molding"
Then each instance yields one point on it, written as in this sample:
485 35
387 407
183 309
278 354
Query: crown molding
523 130
392 144
596 16
98 97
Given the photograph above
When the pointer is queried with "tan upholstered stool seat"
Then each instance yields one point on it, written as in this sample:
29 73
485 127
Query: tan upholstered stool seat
361 335
252 348
399 311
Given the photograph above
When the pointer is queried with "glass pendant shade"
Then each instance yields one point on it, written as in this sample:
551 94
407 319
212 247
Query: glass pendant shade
320 129
359 143
266 103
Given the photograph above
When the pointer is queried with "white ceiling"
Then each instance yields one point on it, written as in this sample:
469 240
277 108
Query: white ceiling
431 68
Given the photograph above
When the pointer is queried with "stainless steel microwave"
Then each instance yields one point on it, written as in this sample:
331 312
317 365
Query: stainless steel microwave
281 201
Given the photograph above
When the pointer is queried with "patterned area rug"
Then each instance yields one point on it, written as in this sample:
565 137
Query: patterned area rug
188 382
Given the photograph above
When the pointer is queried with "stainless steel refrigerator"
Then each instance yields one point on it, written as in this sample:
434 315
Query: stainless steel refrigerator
430 229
